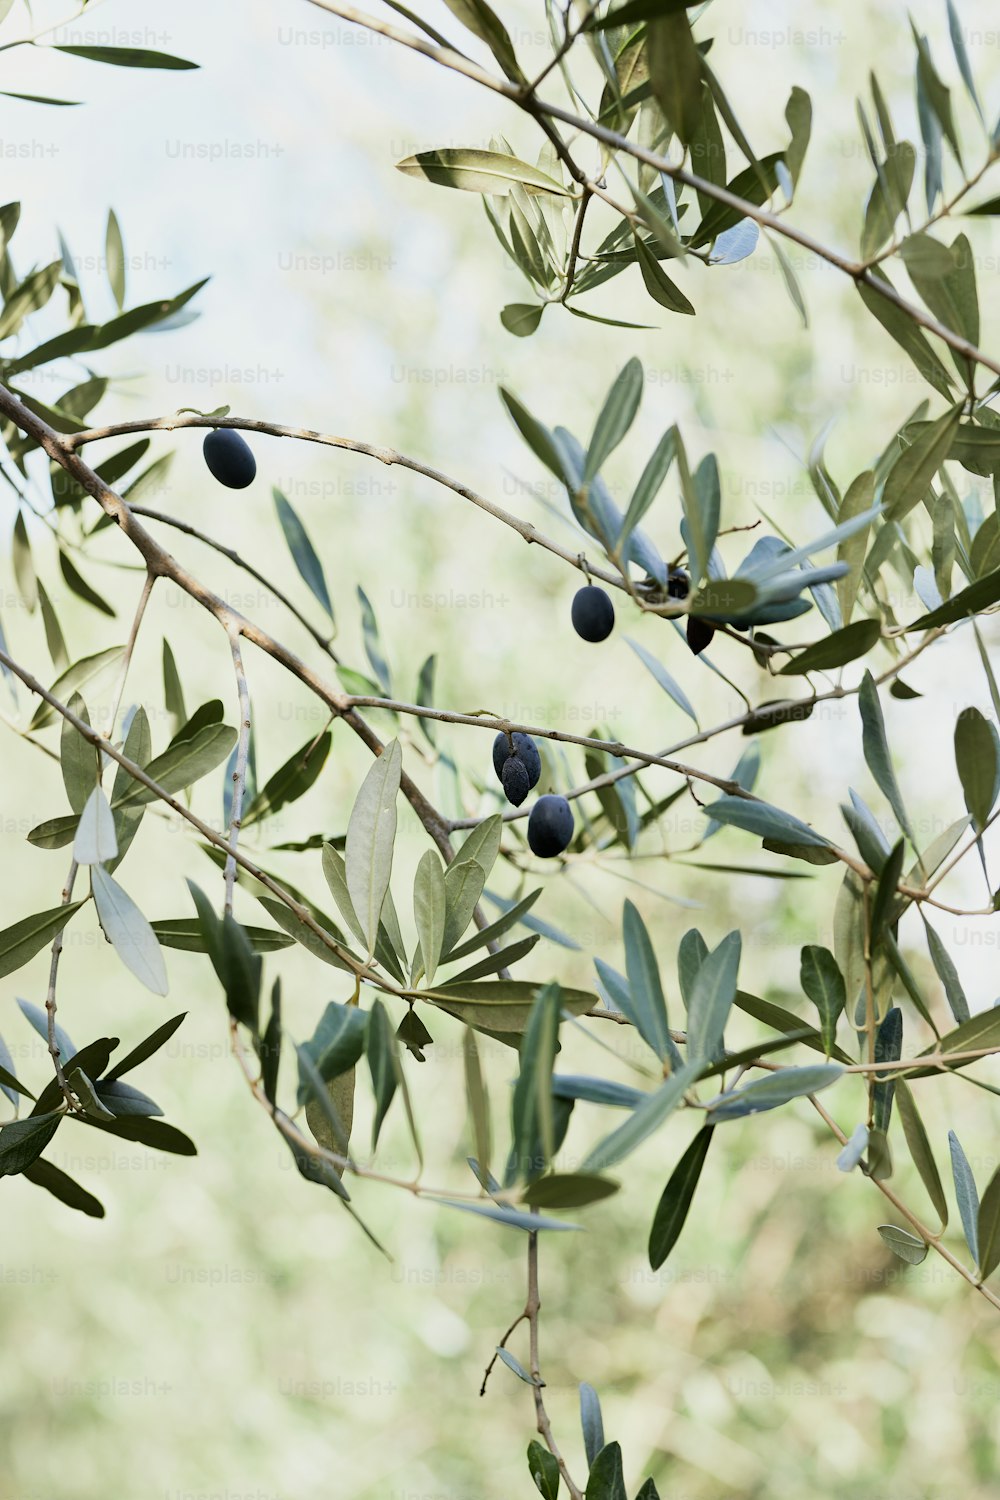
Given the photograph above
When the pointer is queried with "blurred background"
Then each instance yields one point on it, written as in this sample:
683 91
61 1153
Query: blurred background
227 1331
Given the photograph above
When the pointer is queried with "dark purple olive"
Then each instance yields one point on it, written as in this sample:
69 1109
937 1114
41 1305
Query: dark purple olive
524 749
229 458
678 584
550 827
514 778
592 613
699 633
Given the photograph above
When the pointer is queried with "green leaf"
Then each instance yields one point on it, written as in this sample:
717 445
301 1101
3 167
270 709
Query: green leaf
516 1366
47 1175
145 1049
544 1470
371 834
649 1115
885 906
765 821
54 638
971 601
302 550
920 1150
325 1122
676 1199
24 568
596 1091
128 57
148 315
380 1045
538 437
138 748
24 939
429 898
128 931
711 998
912 473
843 646
310 940
646 491
37 1018
988 1227
501 1005
591 1422
477 1100
966 1195
184 762
425 697
876 748
851 550
979 1031
23 1141
292 780
464 880
337 1044
30 295
185 934
904 1244
10 1084
772 1092
77 757
663 677
79 586
373 644
568 1190
947 973
824 984
900 326
648 1011
531 1107
496 929
270 1047
172 690
888 1048
616 417
55 833
658 284
675 72
606 1480
946 281
722 598
522 318
977 756
114 252
484 23
490 172
77 677
503 958
514 1219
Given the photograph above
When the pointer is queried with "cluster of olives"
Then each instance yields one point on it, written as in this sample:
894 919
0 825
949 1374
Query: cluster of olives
518 766
229 458
593 613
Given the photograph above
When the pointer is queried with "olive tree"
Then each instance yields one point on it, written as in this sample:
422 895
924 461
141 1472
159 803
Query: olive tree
635 129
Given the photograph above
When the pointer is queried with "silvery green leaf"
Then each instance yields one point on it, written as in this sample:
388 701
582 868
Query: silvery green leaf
371 833
854 1149
127 929
96 842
